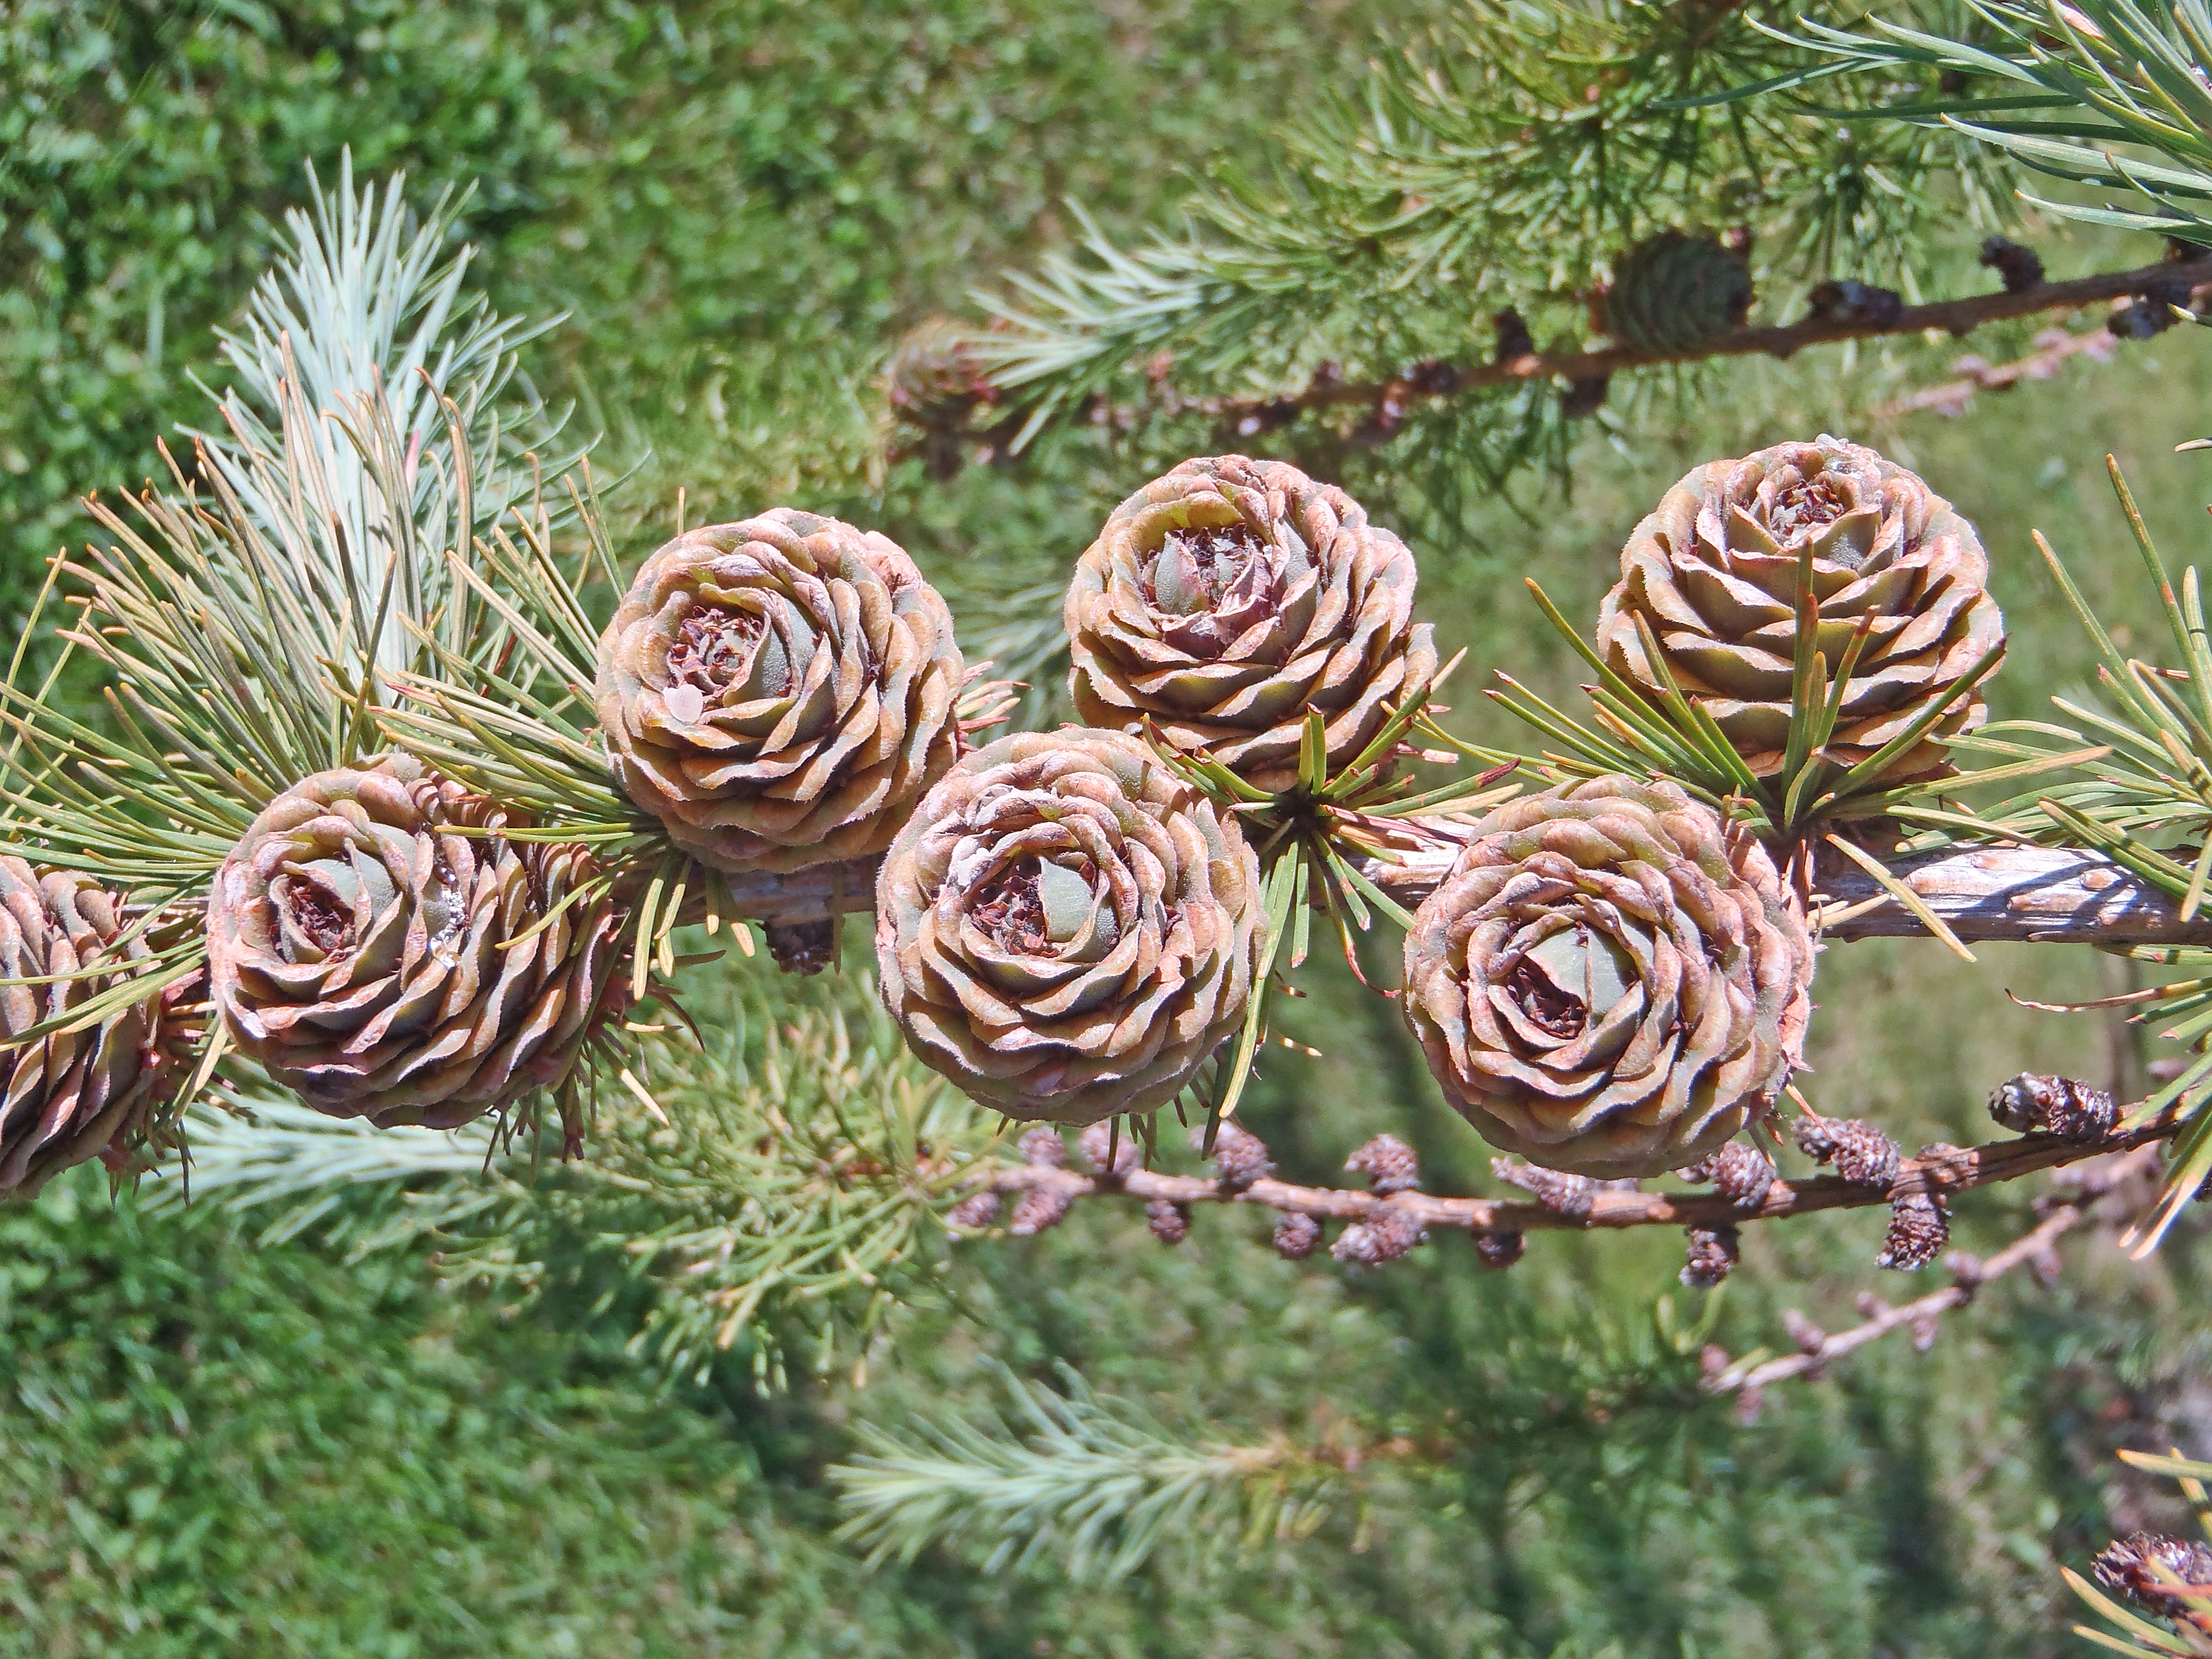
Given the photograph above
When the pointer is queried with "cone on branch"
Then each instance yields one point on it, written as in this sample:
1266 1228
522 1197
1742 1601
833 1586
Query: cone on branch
1226 601
1713 576
1862 1153
1609 981
1712 1256
2062 1106
779 692
1240 1158
1296 1237
1066 929
78 1090
1675 291
1919 1228
936 377
1739 1172
2165 1575
382 950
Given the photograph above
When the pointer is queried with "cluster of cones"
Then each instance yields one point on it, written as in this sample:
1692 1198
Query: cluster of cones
1613 981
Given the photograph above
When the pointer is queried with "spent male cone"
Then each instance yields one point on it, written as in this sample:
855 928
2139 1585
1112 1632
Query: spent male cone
1609 981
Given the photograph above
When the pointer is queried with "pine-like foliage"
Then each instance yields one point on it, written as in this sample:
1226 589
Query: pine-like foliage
1094 1484
2078 92
775 1194
1504 163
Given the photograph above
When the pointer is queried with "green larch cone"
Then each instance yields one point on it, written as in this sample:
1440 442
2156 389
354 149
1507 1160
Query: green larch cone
375 943
1609 982
1226 599
1675 291
1066 929
779 692
72 1095
1714 573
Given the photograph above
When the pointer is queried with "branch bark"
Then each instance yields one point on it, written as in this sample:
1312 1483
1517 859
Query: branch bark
1947 1171
1392 399
1969 1275
1984 892
2030 894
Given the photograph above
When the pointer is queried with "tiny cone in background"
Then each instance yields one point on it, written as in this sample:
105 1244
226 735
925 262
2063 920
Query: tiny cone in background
382 950
1713 574
1675 291
72 1095
935 378
1609 981
1229 598
779 692
1065 929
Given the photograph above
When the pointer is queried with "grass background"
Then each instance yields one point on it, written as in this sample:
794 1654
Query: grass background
213 1444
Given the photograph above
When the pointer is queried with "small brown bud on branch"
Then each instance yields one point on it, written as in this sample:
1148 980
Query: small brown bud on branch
1042 1149
973 1213
1386 1235
1240 1158
1855 304
1169 1221
2057 1105
2020 268
1038 1210
1102 1143
2159 1573
1388 1164
802 947
1809 1338
1919 1227
1500 1250
1739 1172
1862 1154
1713 1252
1296 1237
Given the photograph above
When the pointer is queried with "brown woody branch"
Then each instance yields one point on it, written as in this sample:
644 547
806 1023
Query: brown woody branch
1392 399
1969 1274
2034 895
1945 1170
1950 399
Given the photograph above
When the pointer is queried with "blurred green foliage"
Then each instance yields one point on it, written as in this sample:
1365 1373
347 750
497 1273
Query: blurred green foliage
216 1443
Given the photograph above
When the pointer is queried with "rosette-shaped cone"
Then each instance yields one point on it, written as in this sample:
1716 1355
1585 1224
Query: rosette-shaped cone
1714 573
379 945
1609 982
1230 597
1065 929
779 692
71 1095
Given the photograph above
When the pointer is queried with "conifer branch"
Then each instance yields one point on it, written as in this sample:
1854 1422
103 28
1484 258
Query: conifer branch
1982 891
1939 1170
1389 402
1816 1348
2054 348
1095 1482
